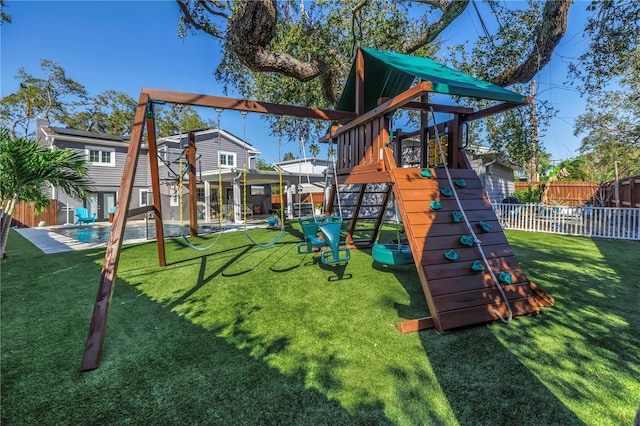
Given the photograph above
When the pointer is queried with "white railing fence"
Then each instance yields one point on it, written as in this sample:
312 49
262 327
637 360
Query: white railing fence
586 221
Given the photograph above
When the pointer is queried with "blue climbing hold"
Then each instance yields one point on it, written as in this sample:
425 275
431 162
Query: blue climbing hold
447 192
426 173
485 227
476 266
504 277
466 240
435 205
460 182
457 216
451 255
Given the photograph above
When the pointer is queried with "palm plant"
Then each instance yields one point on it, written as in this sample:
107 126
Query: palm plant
26 169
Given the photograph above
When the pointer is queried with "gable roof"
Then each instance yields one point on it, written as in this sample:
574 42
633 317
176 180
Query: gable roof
81 136
387 74
175 139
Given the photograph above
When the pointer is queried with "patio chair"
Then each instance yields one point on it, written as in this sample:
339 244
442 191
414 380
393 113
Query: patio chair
83 216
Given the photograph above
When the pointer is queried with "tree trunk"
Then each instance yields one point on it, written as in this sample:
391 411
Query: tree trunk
6 225
250 34
549 32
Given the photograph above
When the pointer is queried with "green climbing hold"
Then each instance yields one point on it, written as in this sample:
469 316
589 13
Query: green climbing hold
447 192
435 205
476 266
451 255
466 240
484 227
457 216
504 277
460 182
426 173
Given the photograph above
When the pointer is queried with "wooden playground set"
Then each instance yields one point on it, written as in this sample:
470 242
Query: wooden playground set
468 271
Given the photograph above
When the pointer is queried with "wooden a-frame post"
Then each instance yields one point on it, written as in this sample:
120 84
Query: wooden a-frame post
95 339
190 154
155 183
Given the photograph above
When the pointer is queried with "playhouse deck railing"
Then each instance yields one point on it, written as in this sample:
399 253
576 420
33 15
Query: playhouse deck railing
360 142
362 146
585 221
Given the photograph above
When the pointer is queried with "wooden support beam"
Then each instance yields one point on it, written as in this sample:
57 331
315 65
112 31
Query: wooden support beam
492 110
356 210
411 326
190 154
380 218
391 105
453 152
155 186
196 99
426 106
97 328
424 134
361 178
139 210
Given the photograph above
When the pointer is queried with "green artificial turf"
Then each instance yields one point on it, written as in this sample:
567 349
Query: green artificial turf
242 335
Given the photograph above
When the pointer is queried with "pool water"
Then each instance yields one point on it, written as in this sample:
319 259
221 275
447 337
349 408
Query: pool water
96 234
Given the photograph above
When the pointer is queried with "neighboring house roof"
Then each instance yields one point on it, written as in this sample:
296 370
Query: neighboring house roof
80 136
175 139
300 165
488 155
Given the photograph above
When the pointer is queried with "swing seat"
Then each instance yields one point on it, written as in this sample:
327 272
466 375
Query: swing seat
330 228
310 231
392 253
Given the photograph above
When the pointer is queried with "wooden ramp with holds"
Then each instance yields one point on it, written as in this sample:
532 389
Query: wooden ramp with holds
458 296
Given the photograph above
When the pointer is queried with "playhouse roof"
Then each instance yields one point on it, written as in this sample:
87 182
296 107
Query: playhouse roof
388 74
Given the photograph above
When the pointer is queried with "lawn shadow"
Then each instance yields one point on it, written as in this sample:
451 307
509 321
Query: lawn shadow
569 359
157 366
483 380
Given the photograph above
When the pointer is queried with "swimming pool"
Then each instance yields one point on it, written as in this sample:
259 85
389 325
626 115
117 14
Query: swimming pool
99 234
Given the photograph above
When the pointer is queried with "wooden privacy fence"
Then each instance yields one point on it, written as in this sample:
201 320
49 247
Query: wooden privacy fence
24 215
629 192
565 193
586 221
592 193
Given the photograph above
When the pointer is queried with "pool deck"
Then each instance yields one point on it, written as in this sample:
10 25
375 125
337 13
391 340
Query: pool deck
50 242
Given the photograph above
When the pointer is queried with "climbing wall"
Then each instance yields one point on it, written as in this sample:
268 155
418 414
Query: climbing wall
457 295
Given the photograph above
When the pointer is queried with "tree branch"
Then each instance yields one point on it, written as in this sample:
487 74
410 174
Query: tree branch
549 33
450 11
252 30
207 28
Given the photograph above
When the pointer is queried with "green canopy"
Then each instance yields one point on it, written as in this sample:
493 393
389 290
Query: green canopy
387 74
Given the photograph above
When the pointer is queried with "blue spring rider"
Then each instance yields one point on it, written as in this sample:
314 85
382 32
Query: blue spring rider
310 231
330 227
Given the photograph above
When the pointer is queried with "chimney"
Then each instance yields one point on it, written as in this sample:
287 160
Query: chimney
41 122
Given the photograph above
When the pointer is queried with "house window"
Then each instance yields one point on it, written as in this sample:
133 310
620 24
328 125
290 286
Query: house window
227 159
145 198
101 156
174 196
200 194
257 190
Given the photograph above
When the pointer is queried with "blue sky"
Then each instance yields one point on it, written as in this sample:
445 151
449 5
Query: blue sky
128 45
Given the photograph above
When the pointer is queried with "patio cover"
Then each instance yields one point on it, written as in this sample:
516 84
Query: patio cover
387 74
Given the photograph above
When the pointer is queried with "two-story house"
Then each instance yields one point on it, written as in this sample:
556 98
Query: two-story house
228 181
105 155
